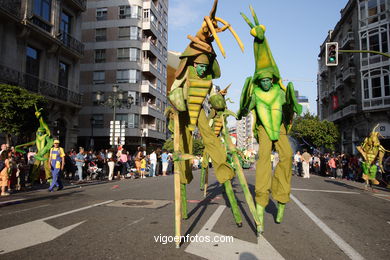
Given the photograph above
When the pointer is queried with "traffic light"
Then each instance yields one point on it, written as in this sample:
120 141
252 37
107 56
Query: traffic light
331 53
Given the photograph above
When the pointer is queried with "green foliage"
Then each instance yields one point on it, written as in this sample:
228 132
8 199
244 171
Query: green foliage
168 145
17 109
319 133
197 146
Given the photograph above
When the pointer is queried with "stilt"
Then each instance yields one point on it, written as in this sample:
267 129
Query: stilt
233 203
176 148
279 216
240 174
183 201
202 177
206 182
260 213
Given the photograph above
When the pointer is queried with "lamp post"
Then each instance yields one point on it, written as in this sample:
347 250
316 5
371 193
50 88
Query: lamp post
116 100
142 134
91 141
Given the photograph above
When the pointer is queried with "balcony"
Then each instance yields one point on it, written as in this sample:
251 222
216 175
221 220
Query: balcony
339 83
11 7
39 86
348 39
349 73
80 4
41 23
149 67
323 69
71 42
324 94
349 110
150 110
335 116
148 88
149 45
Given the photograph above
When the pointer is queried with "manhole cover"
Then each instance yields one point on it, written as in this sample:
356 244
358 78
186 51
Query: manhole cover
137 203
131 203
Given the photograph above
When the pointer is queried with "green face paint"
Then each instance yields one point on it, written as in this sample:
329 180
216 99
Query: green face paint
201 69
266 84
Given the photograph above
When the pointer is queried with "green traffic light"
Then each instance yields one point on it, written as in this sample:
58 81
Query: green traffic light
332 59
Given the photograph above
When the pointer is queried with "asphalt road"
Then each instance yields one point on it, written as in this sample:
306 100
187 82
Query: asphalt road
326 219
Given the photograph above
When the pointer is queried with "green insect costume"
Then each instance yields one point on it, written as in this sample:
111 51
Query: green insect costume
44 142
198 67
273 106
372 151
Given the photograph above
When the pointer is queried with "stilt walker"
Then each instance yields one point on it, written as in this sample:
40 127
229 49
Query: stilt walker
372 151
197 68
273 106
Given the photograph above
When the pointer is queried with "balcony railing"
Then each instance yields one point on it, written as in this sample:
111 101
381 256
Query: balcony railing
71 42
41 23
37 85
149 126
81 3
349 73
350 110
347 39
11 6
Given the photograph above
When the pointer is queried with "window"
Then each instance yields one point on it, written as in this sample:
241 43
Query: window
124 32
134 54
159 84
376 87
146 15
43 9
133 121
32 61
135 33
127 76
136 11
123 54
124 12
386 85
100 34
100 55
63 74
101 14
122 117
98 77
98 120
135 96
129 54
65 25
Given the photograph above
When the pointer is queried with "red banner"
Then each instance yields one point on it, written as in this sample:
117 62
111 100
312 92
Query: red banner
335 102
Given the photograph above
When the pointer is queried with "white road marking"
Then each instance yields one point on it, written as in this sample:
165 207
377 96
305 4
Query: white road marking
76 210
22 210
387 199
35 232
10 201
239 249
330 191
382 195
344 246
130 224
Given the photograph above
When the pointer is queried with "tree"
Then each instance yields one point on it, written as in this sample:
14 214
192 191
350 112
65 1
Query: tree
17 110
318 133
197 146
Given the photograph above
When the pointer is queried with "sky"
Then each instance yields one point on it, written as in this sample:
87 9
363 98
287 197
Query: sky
295 31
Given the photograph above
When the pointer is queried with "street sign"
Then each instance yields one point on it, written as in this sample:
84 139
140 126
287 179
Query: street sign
118 133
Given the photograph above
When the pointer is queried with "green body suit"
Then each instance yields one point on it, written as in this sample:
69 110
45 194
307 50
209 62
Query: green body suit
273 106
43 142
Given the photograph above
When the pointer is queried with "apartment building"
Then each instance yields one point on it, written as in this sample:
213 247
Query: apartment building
40 50
355 95
125 45
244 130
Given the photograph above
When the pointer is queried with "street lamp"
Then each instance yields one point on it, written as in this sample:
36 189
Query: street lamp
91 141
116 100
142 134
